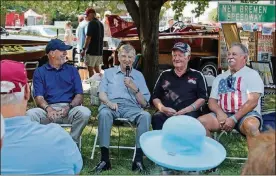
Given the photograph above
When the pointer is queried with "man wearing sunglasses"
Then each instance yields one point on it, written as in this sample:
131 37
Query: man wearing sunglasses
235 97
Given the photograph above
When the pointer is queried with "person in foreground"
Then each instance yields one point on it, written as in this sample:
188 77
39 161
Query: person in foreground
180 90
2 131
235 97
123 94
261 161
58 92
31 148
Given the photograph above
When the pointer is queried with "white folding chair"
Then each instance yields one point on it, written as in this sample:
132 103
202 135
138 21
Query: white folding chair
218 135
120 120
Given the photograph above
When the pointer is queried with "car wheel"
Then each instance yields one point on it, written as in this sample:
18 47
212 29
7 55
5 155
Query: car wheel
209 68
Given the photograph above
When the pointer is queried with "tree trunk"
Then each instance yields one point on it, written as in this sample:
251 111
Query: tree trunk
149 32
146 18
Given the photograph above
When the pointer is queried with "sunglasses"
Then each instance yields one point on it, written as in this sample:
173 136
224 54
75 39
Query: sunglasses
230 81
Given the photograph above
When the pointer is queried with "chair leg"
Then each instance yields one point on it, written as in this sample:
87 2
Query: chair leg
119 135
133 129
31 85
134 153
94 146
215 135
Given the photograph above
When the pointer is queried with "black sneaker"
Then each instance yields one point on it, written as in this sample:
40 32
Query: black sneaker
102 166
138 166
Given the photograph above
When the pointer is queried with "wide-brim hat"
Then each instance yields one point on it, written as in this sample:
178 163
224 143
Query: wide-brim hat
182 145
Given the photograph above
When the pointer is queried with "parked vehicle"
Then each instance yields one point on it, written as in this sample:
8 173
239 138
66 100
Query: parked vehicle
44 31
203 41
22 48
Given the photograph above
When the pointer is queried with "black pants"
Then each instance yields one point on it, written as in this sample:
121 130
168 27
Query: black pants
159 118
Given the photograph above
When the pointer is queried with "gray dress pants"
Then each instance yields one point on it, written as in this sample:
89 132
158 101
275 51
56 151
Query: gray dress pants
78 117
126 109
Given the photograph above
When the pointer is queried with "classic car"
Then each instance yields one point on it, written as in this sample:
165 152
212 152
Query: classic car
202 39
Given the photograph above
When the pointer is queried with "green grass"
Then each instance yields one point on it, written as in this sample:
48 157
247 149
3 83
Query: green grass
234 144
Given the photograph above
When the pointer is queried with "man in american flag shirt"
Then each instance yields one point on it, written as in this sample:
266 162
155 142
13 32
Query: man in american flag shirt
235 97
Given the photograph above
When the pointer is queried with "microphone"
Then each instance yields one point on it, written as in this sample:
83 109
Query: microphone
127 71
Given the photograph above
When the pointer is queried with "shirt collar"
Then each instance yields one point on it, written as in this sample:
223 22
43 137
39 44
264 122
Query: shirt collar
120 71
49 67
229 72
18 120
187 71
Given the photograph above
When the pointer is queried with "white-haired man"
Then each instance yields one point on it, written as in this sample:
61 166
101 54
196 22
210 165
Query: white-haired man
178 91
235 97
125 96
31 148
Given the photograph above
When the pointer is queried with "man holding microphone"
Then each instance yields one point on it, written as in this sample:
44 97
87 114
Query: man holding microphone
123 93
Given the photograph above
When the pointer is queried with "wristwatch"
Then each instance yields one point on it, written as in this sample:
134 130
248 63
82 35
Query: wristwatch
234 118
45 108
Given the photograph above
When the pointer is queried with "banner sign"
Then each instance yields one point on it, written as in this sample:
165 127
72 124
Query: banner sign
223 51
242 12
265 47
248 39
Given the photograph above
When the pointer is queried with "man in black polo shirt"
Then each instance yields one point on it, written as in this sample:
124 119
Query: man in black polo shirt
93 43
178 91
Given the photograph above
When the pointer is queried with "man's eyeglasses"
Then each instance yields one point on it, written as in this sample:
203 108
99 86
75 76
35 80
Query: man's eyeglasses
230 81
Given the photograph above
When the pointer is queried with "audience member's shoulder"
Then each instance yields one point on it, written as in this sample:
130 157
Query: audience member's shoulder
250 71
70 67
111 70
221 76
53 127
166 72
52 130
196 72
42 67
137 72
93 22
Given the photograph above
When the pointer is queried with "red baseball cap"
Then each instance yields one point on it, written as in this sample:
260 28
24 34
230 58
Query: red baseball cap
13 76
89 10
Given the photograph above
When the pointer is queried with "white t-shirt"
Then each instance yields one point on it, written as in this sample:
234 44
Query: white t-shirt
231 95
2 127
68 37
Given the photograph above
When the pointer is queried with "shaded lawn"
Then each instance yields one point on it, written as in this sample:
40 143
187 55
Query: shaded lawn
234 144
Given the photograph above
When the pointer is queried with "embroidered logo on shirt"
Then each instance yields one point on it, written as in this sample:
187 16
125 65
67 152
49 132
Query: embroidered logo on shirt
191 80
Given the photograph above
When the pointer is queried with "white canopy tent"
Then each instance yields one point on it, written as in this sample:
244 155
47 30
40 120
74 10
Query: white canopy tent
32 13
31 17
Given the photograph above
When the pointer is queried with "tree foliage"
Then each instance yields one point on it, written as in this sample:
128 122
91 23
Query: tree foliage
165 7
55 9
213 15
178 7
